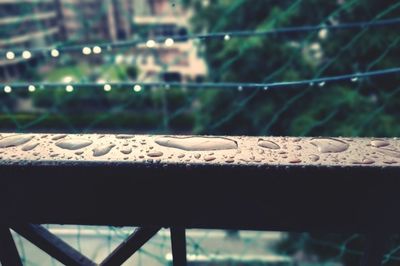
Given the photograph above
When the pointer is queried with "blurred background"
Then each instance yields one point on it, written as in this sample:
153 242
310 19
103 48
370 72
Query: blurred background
34 40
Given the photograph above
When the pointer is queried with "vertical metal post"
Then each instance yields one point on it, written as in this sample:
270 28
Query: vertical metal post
374 250
8 251
178 242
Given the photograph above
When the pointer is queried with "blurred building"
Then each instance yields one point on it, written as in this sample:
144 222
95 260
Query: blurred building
25 24
174 61
93 20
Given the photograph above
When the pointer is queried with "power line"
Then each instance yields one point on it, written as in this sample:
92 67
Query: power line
88 49
137 86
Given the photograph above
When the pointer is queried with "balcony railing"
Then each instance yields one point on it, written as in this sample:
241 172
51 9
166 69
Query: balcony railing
258 183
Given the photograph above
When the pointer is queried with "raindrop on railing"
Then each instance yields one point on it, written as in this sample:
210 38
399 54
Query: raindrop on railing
197 143
102 150
155 154
379 143
209 158
74 144
58 137
313 157
329 145
389 152
29 147
15 140
268 144
126 150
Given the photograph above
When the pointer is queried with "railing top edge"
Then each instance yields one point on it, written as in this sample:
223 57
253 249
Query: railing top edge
198 150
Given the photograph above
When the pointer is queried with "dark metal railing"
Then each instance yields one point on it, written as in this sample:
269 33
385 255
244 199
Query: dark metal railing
258 183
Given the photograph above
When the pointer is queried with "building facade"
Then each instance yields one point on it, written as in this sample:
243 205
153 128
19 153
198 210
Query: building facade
27 24
177 61
94 20
23 25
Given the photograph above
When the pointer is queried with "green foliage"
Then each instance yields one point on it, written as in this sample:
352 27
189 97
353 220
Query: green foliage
346 109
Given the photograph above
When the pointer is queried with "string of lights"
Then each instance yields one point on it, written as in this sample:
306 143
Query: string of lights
138 86
88 49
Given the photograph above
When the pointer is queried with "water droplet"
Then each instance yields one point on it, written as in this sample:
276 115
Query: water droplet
155 154
102 150
169 42
388 152
181 155
10 55
79 152
379 143
31 88
74 143
14 140
69 88
29 147
313 157
126 150
197 143
26 54
54 53
329 145
209 158
86 50
295 160
58 137
107 87
124 136
368 161
197 155
268 144
97 50
150 43
229 160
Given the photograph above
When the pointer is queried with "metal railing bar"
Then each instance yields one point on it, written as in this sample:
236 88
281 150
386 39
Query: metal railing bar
252 183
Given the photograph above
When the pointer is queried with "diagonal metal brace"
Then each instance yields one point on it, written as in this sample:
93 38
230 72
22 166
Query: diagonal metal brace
8 251
52 245
132 244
